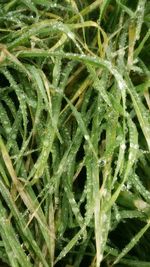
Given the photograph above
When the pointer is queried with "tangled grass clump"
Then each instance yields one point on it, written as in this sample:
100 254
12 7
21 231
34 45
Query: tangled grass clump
74 133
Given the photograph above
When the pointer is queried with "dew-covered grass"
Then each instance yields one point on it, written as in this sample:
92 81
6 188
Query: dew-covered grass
74 133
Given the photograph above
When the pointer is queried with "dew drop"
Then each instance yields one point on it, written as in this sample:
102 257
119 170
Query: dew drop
86 137
101 162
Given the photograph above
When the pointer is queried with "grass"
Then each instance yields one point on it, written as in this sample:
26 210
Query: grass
74 133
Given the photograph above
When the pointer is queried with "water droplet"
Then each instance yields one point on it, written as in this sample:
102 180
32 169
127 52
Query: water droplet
135 146
104 218
123 146
101 162
8 130
13 136
86 137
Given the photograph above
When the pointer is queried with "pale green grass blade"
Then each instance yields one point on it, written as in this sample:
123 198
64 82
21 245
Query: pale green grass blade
9 236
132 242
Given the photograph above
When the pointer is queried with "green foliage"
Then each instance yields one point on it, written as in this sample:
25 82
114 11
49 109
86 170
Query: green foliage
74 133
